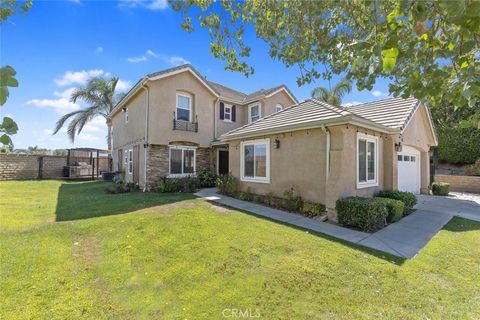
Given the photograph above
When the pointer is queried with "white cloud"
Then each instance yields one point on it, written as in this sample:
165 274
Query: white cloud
123 85
99 50
66 94
377 93
48 132
351 103
148 4
78 77
88 137
152 54
176 61
97 124
137 59
60 106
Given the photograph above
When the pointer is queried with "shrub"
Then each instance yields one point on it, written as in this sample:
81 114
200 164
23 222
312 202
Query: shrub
394 207
118 178
268 200
206 178
245 195
227 184
311 209
409 199
291 201
259 198
474 169
366 214
132 186
458 145
440 188
169 185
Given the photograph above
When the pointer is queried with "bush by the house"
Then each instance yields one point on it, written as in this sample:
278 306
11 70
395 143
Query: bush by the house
185 184
227 184
292 201
132 186
440 188
474 169
394 207
409 199
259 198
245 196
458 145
312 209
366 214
206 178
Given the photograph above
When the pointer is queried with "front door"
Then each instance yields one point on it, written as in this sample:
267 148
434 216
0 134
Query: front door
222 161
408 163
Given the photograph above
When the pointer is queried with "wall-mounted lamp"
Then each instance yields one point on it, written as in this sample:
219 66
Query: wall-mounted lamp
276 144
398 147
124 109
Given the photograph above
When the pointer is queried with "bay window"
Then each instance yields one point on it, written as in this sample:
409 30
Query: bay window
255 161
182 160
367 161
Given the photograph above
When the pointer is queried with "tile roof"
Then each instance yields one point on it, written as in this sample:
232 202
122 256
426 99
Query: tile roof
226 92
386 114
392 113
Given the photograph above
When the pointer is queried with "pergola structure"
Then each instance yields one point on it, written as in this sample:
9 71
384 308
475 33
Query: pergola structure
83 163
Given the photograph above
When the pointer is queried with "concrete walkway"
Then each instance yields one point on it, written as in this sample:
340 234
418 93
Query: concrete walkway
404 238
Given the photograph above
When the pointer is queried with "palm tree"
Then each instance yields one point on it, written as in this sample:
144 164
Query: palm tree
100 95
333 96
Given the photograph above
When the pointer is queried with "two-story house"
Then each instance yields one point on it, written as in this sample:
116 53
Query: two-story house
170 122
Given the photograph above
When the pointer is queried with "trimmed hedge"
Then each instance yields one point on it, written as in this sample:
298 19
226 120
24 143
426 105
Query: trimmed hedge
394 207
227 185
366 214
409 199
186 184
440 188
458 145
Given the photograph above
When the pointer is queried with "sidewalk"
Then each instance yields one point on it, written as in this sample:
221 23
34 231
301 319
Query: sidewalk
403 239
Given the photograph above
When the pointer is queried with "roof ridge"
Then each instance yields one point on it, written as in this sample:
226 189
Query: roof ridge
339 110
224 86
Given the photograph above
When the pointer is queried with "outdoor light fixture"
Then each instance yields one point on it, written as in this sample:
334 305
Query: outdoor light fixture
276 144
124 109
398 147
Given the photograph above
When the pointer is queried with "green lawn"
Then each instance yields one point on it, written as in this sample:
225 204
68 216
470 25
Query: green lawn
69 251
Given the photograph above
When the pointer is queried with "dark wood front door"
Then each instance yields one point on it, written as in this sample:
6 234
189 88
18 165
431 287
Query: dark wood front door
222 161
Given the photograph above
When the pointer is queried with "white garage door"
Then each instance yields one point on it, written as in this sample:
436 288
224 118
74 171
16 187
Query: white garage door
408 163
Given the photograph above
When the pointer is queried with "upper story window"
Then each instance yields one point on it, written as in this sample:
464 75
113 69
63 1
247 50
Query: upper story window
278 107
228 113
184 107
367 161
254 113
126 115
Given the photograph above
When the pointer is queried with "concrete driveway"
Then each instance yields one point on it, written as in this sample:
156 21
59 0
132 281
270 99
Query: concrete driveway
465 205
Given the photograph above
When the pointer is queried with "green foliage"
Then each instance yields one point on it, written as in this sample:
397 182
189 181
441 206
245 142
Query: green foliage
245 196
440 188
227 185
333 96
366 214
259 198
7 79
409 199
474 169
291 201
185 184
206 178
312 209
459 145
11 7
428 49
395 208
8 127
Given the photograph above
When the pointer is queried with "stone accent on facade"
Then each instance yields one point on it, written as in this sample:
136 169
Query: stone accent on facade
460 183
157 164
204 160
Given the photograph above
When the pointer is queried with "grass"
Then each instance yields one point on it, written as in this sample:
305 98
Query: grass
70 251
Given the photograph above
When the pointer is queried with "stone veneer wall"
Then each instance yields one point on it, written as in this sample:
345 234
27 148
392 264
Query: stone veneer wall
157 166
26 166
460 183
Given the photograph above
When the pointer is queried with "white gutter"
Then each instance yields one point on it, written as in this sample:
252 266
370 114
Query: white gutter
146 144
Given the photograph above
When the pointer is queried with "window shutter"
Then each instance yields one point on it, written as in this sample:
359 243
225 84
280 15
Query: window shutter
233 113
222 111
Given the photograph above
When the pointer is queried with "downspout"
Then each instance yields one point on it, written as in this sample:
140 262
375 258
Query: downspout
146 145
327 152
215 119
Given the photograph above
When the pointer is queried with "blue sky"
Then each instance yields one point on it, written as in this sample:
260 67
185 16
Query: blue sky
58 45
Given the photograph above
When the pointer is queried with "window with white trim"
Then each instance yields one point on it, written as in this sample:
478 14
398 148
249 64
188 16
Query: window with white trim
130 161
278 107
367 161
182 161
227 114
254 113
255 161
184 107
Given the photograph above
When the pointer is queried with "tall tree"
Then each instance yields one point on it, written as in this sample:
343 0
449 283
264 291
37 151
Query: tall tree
428 49
100 95
333 95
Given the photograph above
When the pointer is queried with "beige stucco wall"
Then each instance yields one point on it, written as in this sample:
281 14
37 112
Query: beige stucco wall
268 104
